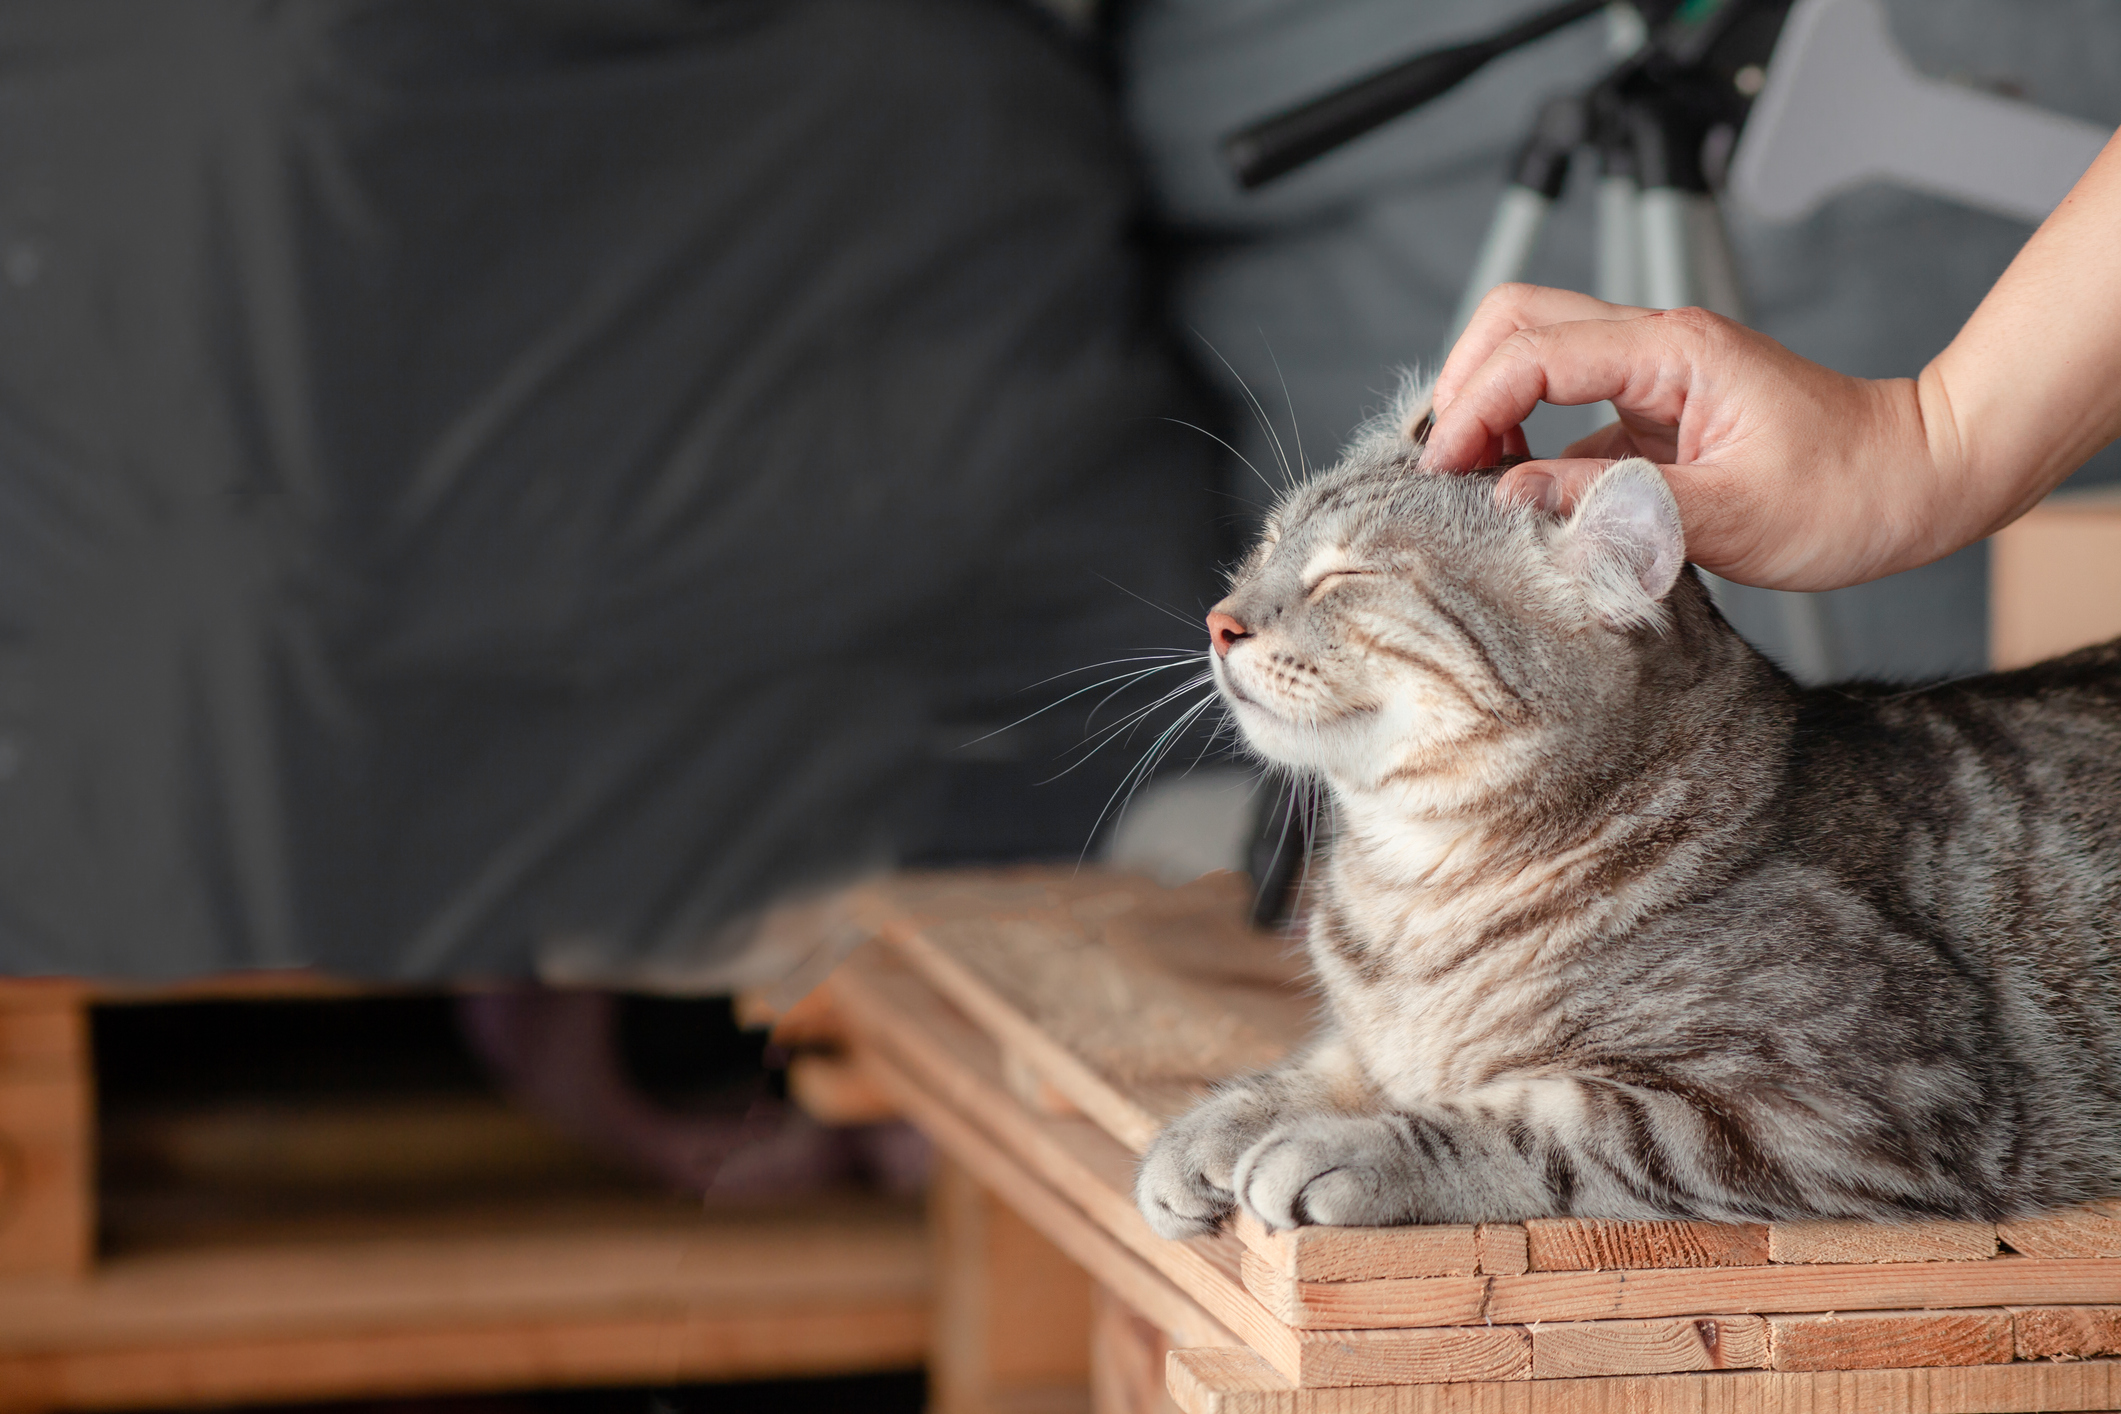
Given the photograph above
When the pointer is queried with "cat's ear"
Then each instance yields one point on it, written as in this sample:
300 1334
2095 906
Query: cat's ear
1416 414
1625 545
1403 427
1413 410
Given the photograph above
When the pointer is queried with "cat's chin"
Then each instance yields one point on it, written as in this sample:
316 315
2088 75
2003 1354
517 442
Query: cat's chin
1300 746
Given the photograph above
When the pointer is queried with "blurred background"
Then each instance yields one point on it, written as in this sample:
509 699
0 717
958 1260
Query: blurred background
495 494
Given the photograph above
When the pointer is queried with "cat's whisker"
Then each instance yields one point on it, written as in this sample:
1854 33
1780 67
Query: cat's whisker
1105 736
1158 662
1123 679
1259 412
1140 772
1276 490
1135 716
1122 728
1146 655
1296 432
1160 608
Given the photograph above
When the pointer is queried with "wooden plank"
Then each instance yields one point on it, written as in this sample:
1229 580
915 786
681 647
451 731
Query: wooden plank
1430 1301
47 1132
1592 1296
1125 996
946 1075
2055 578
1034 1090
1889 1340
1468 1354
1583 1245
2066 1332
1012 1312
2089 1231
1574 1349
807 1023
832 1089
1062 1223
1343 1357
324 1143
1122 1113
1127 1354
760 1340
1349 1253
1842 1243
1235 1382
1502 1249
811 1256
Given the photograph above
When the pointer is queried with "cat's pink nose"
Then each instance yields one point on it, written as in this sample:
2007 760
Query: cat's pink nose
1224 631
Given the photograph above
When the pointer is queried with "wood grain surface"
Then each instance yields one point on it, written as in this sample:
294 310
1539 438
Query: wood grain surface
2066 1332
1124 996
1848 1242
1234 1382
1583 1245
1574 1349
1889 1340
1354 1253
2091 1231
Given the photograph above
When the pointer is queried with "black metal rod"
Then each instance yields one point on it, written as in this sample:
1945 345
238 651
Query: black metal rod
1284 142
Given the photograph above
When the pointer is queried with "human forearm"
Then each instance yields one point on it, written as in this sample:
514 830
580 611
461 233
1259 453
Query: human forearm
2031 386
1790 475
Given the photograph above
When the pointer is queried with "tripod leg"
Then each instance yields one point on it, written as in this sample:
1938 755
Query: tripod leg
1667 265
1686 255
1619 281
1687 259
1503 255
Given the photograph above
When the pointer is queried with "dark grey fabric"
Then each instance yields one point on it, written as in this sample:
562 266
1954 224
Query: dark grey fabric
478 472
1327 279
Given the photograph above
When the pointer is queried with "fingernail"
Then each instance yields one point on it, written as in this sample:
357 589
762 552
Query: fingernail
1537 489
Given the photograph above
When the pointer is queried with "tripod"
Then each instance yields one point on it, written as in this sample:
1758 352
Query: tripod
1661 238
1661 125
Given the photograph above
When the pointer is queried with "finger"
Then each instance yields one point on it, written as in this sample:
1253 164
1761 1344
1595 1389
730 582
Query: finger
1552 486
1514 444
1507 309
1643 366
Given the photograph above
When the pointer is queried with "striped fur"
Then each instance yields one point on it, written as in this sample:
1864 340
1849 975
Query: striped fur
1619 922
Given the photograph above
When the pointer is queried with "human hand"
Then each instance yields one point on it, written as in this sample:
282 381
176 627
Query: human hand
1788 475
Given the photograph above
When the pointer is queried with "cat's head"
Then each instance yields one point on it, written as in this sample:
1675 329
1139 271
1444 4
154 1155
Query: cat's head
1394 623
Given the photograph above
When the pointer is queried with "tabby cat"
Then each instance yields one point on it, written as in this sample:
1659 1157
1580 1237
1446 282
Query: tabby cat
1619 922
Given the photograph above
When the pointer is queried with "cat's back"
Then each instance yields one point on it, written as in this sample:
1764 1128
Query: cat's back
1987 809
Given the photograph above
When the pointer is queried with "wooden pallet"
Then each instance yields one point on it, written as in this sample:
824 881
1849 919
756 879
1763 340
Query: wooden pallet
2055 578
209 1302
1042 1026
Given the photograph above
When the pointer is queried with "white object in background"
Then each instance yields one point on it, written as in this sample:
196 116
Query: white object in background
1843 106
1182 827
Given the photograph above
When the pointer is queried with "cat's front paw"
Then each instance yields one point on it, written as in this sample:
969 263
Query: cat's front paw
1342 1170
1183 1186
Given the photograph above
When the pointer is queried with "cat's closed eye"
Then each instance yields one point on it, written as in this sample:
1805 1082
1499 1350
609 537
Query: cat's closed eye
1332 579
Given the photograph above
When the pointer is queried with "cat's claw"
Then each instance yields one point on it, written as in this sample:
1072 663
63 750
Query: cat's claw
1183 1186
1175 1196
1336 1169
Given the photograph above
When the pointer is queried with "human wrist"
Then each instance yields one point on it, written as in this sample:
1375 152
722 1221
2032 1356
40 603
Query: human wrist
1963 503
